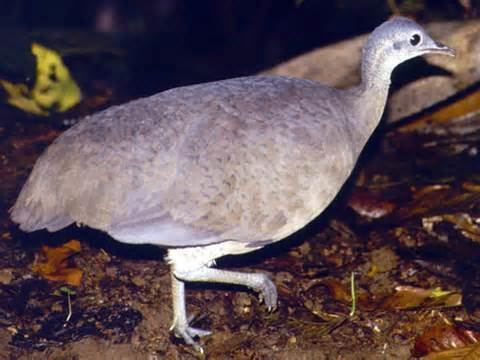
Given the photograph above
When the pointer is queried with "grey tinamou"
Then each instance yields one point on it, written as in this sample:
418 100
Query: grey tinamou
215 169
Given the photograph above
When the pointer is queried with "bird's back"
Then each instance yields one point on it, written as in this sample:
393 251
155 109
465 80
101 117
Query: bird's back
248 159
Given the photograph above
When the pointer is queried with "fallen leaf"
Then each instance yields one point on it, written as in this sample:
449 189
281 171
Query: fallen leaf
423 191
471 352
20 97
6 235
434 200
369 205
6 276
441 337
54 86
461 221
338 291
54 89
55 267
410 297
470 186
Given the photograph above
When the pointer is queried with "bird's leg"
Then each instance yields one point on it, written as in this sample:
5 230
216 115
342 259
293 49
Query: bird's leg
194 264
180 322
255 281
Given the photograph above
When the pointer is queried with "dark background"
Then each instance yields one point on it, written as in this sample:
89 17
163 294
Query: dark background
143 46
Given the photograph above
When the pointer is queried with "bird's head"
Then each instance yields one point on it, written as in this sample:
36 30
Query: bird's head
396 41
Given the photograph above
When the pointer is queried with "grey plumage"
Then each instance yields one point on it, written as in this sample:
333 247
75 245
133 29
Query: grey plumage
218 168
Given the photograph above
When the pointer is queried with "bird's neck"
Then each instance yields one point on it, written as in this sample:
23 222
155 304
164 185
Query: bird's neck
376 69
368 102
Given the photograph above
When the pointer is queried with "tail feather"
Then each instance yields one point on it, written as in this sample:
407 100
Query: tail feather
31 216
40 203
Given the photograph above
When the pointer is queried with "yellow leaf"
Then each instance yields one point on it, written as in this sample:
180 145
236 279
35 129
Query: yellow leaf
19 96
54 88
54 85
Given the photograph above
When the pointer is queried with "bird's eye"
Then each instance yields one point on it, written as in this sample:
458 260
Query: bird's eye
415 39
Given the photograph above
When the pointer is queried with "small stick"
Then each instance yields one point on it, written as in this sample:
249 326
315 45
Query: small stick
353 294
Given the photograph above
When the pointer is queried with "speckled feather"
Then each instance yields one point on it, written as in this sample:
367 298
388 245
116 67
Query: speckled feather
248 159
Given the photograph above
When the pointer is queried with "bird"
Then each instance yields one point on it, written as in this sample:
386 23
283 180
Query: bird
219 168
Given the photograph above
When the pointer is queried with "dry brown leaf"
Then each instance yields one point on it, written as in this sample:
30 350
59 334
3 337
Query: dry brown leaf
471 352
7 235
461 221
342 293
471 186
443 337
428 202
420 192
409 297
369 205
55 266
338 291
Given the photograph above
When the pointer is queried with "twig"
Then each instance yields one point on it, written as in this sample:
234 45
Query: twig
353 294
68 292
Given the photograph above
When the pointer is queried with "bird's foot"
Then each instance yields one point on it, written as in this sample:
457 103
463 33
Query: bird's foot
187 333
267 292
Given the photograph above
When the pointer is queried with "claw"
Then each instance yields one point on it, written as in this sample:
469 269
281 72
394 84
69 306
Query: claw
268 293
187 333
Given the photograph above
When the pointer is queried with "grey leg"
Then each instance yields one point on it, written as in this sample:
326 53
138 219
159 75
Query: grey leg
193 264
180 322
255 281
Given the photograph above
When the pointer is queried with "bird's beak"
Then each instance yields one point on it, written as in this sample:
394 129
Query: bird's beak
439 48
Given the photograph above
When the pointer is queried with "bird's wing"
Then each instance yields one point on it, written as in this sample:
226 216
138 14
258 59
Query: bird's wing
251 176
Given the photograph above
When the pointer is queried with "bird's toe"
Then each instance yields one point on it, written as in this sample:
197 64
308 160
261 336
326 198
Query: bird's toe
268 293
188 333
